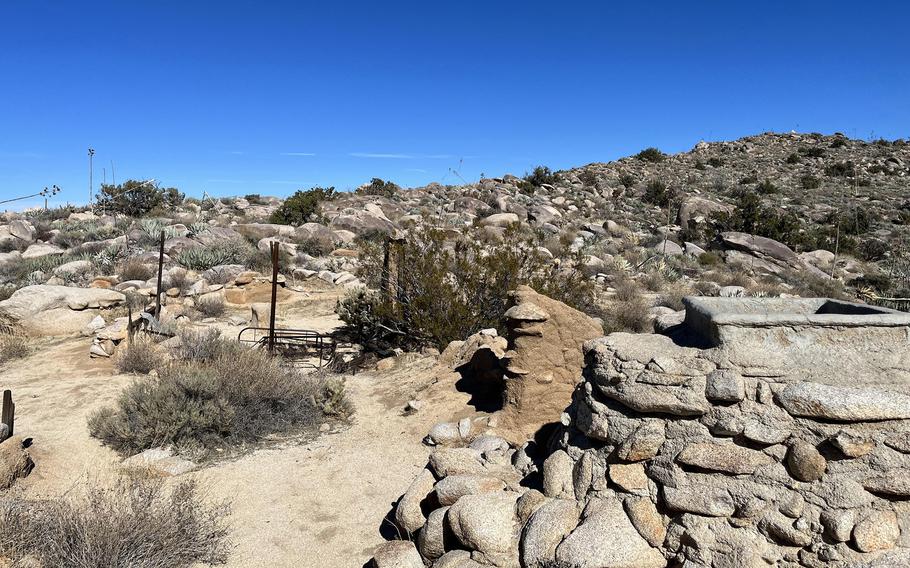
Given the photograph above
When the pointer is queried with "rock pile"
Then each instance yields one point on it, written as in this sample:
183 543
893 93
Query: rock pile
668 459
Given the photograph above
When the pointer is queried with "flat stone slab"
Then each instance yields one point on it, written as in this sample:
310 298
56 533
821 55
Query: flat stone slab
724 458
815 400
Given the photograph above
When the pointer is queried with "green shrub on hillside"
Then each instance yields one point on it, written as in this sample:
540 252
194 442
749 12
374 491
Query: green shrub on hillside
541 176
449 290
302 207
652 155
136 198
380 187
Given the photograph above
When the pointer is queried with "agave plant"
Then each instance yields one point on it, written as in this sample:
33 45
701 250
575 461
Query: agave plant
107 259
226 252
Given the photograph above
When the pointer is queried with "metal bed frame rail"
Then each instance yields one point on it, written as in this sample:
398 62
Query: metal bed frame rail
297 345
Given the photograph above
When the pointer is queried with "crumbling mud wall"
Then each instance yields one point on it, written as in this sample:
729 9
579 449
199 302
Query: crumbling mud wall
669 457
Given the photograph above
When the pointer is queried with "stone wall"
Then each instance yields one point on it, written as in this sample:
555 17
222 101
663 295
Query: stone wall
670 458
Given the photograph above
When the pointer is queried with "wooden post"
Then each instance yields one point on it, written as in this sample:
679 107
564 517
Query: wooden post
273 248
385 286
7 417
160 270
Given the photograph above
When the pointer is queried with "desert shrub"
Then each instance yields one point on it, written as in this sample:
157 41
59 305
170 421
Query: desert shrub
752 216
793 158
657 193
378 187
628 312
12 346
133 269
541 175
838 143
809 182
136 198
699 165
74 233
234 251
767 187
813 152
627 180
7 290
873 249
28 271
810 285
137 522
854 221
225 396
302 207
710 258
715 162
587 177
652 155
447 291
254 199
211 306
140 356
53 213
841 169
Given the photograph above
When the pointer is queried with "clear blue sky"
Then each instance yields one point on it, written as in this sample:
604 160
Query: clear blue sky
238 97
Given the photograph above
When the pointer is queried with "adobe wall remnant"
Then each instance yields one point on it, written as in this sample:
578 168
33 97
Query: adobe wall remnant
535 367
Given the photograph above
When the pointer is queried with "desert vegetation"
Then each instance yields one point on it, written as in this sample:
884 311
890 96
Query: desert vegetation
214 394
137 521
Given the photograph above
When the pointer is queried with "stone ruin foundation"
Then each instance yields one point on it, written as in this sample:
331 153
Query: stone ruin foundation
671 455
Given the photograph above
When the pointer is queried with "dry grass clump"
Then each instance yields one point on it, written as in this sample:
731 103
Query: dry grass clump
140 356
628 311
211 306
135 523
12 344
215 395
132 269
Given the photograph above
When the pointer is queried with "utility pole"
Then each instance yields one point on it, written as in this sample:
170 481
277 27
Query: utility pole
91 155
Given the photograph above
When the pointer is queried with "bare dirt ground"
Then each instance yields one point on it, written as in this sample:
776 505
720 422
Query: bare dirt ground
311 502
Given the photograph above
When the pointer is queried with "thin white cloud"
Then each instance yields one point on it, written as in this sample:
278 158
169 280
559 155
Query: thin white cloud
297 154
441 156
387 156
237 152
19 155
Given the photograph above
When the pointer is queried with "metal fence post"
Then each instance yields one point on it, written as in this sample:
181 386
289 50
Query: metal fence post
160 269
273 248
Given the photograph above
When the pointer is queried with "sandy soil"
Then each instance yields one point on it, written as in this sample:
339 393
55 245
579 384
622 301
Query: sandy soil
317 502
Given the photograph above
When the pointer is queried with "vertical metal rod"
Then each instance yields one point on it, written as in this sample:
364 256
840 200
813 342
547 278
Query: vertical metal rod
7 416
160 270
273 248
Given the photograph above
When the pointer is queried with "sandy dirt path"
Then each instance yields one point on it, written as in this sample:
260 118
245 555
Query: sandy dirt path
313 502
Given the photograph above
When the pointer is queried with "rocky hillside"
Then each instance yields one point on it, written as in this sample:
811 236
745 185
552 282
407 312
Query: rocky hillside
769 214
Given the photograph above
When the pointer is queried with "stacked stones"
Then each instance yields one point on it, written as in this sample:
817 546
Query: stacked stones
665 458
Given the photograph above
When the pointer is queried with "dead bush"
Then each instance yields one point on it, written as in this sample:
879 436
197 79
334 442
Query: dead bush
136 523
218 395
140 356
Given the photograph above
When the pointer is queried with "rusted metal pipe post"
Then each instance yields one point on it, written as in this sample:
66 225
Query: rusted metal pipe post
160 270
273 248
8 414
